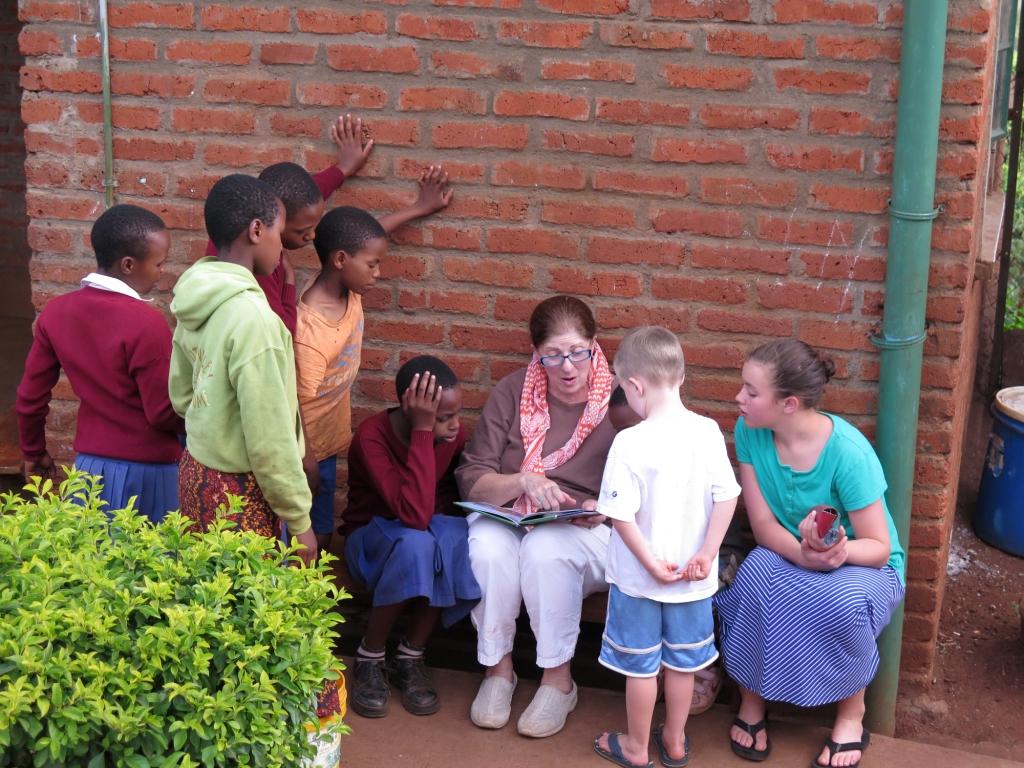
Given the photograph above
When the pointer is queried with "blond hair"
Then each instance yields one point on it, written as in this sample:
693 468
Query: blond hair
652 353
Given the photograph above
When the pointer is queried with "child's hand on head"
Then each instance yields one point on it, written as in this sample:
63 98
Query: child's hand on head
353 143
666 572
421 400
698 568
435 192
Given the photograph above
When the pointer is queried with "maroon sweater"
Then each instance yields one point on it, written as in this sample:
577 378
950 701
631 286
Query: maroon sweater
116 352
393 480
281 295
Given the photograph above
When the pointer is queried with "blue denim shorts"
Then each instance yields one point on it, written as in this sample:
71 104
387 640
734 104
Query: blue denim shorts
322 513
642 635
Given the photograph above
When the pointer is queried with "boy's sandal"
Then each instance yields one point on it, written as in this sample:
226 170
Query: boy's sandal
614 753
848 746
666 759
750 753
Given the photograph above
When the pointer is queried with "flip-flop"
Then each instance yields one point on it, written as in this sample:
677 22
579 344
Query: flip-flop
749 753
614 754
666 759
847 746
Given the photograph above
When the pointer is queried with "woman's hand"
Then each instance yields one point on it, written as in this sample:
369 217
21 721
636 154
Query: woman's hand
543 493
421 400
590 521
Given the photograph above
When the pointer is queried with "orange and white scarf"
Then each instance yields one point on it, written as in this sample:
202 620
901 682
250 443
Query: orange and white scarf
535 419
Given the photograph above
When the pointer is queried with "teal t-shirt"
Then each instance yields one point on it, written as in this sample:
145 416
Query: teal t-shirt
848 476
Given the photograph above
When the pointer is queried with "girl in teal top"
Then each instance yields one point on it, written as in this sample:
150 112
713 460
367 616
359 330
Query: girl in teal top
800 622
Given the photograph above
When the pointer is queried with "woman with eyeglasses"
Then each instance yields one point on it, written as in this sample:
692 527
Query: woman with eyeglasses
540 444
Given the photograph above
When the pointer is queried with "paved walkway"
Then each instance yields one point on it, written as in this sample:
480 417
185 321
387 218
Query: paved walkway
448 739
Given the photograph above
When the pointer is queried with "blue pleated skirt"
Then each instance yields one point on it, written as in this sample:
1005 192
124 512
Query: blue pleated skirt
154 486
804 637
398 563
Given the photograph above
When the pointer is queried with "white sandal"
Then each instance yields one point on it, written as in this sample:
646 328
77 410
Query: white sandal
492 706
547 712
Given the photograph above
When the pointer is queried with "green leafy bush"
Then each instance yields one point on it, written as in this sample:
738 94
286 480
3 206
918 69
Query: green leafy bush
128 644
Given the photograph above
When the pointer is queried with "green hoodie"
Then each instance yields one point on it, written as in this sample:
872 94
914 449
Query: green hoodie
233 380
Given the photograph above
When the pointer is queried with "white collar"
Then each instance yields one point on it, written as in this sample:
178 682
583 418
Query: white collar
112 284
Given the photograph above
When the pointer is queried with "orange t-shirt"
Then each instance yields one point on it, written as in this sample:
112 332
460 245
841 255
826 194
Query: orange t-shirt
327 357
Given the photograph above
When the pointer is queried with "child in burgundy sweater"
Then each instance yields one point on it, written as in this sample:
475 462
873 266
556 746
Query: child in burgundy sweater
115 351
402 542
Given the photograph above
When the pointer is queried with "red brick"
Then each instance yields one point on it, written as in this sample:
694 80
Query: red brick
219 52
594 69
342 95
545 242
976 21
746 191
614 250
363 58
232 90
693 10
421 332
587 7
638 182
62 10
974 53
491 207
852 199
957 205
326 21
954 274
846 48
789 294
953 238
143 183
708 78
736 258
837 265
515 308
630 315
635 112
39 42
519 174
244 155
287 124
824 11
668 150
152 84
461 302
411 168
36 79
503 4
963 90
500 272
40 110
123 115
843 335
847 122
121 49
469 101
719 389
490 339
746 118
588 214
814 158
714 290
162 150
437 28
55 205
962 129
824 82
459 238
735 42
590 283
287 53
173 15
645 36
55 144
45 173
546 34
792 231
700 221
245 18
451 135
470 65
403 267
541 104
194 119
43 236
611 144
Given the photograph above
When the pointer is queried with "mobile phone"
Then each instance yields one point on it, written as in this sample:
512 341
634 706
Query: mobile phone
827 520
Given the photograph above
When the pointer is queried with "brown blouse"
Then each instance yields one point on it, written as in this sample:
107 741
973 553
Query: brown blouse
497 445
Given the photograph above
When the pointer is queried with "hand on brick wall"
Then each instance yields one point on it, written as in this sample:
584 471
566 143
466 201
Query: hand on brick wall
351 138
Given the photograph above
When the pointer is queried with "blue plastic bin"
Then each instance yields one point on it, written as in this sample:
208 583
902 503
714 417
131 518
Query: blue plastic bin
999 518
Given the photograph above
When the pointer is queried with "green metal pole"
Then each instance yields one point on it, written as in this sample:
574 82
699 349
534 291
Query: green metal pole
109 182
911 210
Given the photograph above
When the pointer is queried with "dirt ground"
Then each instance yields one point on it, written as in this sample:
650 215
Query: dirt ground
976 697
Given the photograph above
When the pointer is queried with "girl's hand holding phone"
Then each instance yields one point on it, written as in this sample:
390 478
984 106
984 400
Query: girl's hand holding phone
816 553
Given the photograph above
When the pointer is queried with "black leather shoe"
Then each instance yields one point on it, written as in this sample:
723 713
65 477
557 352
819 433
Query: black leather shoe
370 693
419 696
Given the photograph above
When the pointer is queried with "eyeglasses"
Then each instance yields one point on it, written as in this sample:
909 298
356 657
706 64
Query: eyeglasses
579 356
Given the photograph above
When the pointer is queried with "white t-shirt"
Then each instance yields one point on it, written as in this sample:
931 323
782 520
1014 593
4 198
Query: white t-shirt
665 474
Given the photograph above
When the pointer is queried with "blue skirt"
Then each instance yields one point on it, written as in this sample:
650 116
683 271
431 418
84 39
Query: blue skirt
399 563
154 486
804 637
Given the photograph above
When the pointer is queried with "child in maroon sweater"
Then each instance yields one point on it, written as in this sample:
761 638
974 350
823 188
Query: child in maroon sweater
401 542
115 351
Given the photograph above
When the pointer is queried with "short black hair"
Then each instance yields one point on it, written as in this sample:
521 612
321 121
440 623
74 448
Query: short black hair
424 364
347 229
235 202
122 230
618 398
293 186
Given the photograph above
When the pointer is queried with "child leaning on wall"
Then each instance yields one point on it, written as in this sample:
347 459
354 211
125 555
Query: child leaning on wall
115 351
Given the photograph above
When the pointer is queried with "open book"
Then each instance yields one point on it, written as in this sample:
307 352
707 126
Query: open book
511 517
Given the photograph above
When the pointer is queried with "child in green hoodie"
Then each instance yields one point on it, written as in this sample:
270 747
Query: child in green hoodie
232 373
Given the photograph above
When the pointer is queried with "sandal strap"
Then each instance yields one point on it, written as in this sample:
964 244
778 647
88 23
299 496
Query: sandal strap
751 729
848 746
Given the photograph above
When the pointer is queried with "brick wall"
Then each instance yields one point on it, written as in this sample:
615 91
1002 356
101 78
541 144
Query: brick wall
717 166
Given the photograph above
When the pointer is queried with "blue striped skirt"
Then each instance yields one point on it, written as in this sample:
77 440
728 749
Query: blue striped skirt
399 563
154 486
804 637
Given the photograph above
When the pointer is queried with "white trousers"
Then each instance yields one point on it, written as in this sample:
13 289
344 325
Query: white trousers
551 568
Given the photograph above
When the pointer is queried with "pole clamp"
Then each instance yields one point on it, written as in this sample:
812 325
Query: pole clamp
885 341
908 216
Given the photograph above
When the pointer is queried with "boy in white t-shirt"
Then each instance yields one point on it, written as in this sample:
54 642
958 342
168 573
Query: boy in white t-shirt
670 491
